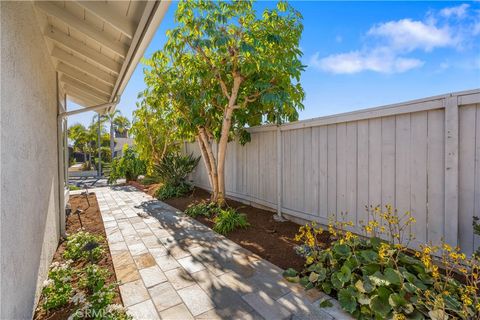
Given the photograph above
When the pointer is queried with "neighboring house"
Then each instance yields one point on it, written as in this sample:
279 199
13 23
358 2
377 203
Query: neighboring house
52 52
119 143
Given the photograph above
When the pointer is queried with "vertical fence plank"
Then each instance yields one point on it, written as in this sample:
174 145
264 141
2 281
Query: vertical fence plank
388 160
436 177
362 171
278 136
418 174
351 172
451 170
375 162
286 168
332 170
466 176
322 133
402 163
476 238
341 168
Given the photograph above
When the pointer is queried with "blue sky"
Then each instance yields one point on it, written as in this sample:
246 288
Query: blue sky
367 54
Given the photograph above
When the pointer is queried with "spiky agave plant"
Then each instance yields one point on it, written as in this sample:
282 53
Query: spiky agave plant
174 168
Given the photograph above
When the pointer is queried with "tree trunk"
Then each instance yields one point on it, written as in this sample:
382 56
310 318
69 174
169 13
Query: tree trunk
222 152
212 163
205 160
222 145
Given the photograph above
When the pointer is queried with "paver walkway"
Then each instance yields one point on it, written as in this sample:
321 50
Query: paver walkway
173 267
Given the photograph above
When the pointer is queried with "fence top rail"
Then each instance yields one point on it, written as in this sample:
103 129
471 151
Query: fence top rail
423 104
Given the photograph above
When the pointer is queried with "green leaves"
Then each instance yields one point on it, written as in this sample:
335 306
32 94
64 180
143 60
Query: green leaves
393 276
347 299
342 250
345 274
379 306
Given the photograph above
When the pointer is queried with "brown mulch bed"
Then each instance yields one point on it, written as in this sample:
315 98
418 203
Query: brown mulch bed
149 188
93 223
271 240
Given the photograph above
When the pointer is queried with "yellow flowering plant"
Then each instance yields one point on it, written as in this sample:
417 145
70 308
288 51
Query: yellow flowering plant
376 275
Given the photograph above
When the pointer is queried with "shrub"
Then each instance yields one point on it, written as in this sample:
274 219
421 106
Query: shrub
72 187
375 278
84 245
129 166
94 278
172 171
57 289
98 302
174 168
168 191
228 220
202 208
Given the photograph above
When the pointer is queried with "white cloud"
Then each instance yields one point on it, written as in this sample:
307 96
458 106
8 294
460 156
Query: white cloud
407 34
389 47
380 60
458 11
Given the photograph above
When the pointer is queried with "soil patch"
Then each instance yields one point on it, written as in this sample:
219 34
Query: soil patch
147 188
271 240
92 222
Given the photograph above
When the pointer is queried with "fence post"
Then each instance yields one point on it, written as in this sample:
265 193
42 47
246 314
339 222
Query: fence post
451 170
279 216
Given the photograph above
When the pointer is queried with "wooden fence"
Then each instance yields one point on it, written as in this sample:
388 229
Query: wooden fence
421 156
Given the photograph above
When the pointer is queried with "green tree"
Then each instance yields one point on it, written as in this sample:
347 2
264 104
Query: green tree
111 116
153 132
121 124
79 136
225 67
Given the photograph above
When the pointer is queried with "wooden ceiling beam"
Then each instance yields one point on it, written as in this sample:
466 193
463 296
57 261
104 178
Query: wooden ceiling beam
83 27
82 49
90 91
103 11
80 64
84 77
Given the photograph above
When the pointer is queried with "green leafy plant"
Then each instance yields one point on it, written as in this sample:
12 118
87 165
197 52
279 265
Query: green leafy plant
72 187
174 168
129 166
57 289
376 278
172 171
168 191
94 277
228 220
78 243
202 208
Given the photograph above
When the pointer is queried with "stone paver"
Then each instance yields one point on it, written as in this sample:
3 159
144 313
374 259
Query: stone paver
172 267
178 312
152 276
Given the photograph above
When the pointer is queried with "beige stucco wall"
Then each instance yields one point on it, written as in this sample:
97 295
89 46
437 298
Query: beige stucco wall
29 170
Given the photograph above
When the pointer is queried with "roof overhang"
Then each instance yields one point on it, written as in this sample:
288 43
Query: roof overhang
96 45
